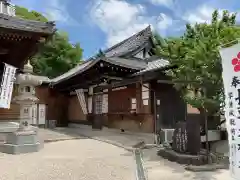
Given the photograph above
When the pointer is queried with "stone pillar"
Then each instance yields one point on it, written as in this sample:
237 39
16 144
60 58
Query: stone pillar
25 139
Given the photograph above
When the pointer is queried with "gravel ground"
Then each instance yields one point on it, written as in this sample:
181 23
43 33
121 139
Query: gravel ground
83 159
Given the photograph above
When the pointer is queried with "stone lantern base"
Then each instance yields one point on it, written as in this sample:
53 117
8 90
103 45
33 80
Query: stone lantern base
21 142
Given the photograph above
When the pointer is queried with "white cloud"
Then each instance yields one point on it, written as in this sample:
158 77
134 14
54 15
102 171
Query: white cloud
201 15
54 10
120 19
167 3
164 21
57 11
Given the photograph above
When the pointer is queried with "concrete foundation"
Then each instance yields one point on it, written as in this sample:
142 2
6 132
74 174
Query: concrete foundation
21 142
221 147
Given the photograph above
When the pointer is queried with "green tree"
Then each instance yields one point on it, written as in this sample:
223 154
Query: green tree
30 15
196 54
99 54
56 56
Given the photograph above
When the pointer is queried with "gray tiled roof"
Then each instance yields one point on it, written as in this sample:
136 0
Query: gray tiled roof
154 65
132 64
15 23
79 68
130 44
136 64
112 55
128 63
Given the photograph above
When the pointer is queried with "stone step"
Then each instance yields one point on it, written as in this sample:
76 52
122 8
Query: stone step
20 149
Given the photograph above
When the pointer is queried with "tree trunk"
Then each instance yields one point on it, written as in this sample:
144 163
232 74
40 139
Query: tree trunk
204 114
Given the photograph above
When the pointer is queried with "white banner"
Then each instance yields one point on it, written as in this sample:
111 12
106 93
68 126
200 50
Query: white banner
105 103
7 86
231 80
82 101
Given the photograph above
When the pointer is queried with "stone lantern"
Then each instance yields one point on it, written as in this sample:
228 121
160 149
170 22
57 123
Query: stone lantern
26 97
25 139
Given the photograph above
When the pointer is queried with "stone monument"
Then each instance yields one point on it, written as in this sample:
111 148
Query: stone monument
25 139
180 138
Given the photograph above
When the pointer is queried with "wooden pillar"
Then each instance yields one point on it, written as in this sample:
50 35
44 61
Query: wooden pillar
139 97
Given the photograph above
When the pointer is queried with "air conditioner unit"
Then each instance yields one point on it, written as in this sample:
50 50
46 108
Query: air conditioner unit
166 136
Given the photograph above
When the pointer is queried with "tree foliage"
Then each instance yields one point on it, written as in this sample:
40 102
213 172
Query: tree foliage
196 54
56 56
30 15
99 54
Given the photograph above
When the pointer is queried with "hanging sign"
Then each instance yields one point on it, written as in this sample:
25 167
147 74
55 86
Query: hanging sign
82 101
105 103
231 80
7 86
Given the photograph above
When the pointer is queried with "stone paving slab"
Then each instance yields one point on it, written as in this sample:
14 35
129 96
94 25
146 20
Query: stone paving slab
207 167
147 136
51 135
117 138
112 136
159 168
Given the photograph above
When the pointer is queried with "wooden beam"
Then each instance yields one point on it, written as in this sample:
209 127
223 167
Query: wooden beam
112 77
117 84
145 77
84 85
74 92
176 82
73 87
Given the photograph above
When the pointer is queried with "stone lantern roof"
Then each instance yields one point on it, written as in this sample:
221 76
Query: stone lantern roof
28 68
27 77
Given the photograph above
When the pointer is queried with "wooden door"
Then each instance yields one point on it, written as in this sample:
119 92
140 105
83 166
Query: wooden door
172 109
97 119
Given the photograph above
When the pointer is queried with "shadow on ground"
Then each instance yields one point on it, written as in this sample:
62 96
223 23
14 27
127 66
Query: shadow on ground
159 168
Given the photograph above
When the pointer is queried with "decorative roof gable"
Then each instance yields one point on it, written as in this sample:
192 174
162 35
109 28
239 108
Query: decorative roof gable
130 44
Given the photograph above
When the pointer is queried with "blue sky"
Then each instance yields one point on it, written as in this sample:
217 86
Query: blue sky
101 23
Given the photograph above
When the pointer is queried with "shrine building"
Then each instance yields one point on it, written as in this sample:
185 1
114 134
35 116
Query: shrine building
126 87
122 88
